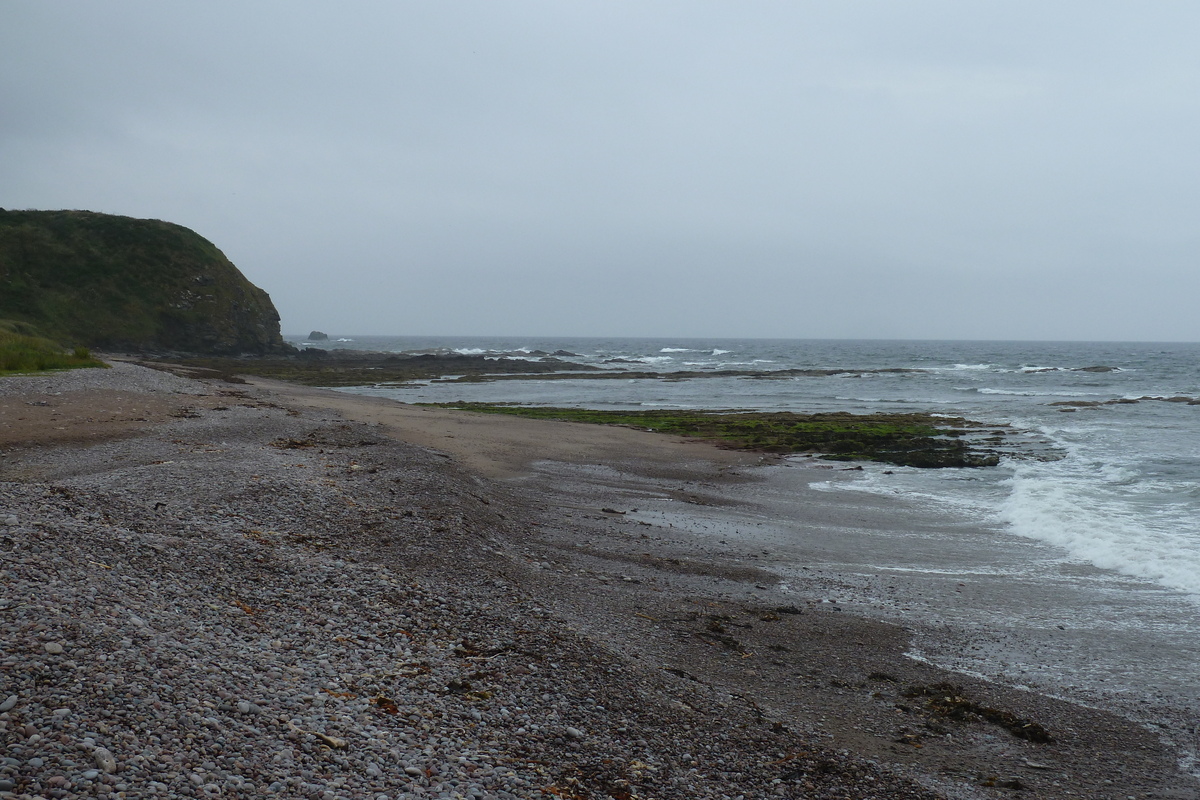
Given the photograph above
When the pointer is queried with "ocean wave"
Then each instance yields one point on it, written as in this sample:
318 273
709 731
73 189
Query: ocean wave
924 401
940 498
678 350
1025 392
716 352
635 360
1100 513
471 351
1099 368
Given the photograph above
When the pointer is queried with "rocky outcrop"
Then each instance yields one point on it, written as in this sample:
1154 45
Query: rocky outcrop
118 283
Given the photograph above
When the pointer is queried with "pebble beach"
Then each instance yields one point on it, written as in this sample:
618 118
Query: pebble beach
215 589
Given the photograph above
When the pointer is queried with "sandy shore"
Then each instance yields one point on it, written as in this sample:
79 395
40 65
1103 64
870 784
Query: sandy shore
255 590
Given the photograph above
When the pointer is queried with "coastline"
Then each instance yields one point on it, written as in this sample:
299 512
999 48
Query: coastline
707 682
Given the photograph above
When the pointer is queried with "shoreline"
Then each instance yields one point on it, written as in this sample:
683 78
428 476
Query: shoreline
511 514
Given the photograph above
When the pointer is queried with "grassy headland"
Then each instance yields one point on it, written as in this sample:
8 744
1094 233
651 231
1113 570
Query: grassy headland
122 284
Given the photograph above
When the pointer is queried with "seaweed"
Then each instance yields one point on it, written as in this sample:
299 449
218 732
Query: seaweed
947 701
912 439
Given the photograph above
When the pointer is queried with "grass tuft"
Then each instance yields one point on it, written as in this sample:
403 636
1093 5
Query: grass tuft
23 350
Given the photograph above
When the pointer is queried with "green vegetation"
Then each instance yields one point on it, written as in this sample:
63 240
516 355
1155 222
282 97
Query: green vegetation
118 283
917 440
22 349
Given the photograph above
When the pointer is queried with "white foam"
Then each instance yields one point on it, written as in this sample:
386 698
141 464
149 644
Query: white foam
720 352
1027 393
924 401
1088 511
470 351
678 350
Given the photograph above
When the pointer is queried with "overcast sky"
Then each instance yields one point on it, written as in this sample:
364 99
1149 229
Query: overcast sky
917 169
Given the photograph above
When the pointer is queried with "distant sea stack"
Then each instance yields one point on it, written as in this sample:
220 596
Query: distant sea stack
317 336
124 284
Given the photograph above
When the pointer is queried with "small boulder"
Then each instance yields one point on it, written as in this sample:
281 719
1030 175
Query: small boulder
105 760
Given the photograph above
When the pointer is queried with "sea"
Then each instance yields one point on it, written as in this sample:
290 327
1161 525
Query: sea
1106 495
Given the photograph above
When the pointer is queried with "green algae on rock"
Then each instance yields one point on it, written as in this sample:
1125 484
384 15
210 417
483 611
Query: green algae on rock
913 440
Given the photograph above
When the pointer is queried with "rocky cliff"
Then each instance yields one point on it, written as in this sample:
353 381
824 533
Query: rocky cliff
118 283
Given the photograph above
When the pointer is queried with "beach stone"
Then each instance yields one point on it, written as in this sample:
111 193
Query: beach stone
11 520
105 760
574 733
9 703
53 648
91 774
7 784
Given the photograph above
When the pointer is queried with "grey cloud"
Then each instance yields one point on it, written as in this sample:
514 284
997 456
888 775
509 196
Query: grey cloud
966 170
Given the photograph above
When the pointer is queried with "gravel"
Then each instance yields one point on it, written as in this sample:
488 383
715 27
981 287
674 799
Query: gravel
255 602
121 376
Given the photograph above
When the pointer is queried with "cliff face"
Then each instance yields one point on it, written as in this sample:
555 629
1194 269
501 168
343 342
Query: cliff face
118 283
